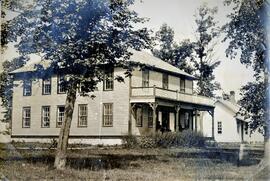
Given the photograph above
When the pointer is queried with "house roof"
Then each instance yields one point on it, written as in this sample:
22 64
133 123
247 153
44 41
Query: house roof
141 57
146 58
233 107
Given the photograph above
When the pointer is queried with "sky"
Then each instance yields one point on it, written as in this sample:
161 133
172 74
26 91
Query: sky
179 14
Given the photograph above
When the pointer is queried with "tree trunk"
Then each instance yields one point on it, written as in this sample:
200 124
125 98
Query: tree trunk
61 153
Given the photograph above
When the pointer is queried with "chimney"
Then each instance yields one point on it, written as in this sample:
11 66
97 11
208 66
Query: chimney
232 97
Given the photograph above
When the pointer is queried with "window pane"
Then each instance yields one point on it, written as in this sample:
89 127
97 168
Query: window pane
27 87
182 85
108 114
46 86
82 115
45 116
145 78
60 115
26 118
165 81
108 79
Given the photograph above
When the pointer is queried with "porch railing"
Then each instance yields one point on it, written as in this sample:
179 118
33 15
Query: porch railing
170 94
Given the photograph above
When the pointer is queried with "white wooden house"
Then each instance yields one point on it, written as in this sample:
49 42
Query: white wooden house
161 95
229 126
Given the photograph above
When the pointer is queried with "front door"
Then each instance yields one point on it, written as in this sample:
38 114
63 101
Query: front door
165 126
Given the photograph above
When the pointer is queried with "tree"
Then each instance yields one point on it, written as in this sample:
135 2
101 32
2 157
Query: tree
6 82
247 35
77 38
167 49
196 57
204 62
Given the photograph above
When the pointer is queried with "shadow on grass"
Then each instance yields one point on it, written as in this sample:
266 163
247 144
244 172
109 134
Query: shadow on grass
251 157
101 161
92 162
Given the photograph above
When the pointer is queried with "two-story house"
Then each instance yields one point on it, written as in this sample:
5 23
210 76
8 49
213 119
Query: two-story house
158 97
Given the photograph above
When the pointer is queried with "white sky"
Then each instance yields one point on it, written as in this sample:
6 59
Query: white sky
178 14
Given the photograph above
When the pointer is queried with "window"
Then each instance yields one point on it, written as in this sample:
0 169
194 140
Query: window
107 114
108 80
139 117
182 85
219 129
45 116
150 118
165 81
60 84
82 122
27 87
246 128
26 117
46 86
145 78
60 116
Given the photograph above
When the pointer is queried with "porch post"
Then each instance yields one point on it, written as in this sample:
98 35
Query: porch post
154 105
196 120
213 125
177 109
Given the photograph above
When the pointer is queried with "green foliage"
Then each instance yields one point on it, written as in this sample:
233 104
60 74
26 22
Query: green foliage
130 141
247 35
6 84
196 57
187 138
253 103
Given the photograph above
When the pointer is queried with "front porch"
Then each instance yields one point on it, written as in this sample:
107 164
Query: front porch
156 109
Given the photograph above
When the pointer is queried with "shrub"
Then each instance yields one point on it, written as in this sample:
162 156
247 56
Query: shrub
186 138
130 141
147 141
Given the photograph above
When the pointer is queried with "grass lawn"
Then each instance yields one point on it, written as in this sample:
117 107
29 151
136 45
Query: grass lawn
116 163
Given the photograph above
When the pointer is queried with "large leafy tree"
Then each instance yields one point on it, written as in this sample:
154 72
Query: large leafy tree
6 83
77 37
247 35
168 50
206 33
195 57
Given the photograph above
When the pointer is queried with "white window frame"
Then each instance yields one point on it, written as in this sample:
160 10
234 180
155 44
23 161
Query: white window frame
145 78
219 127
82 115
27 88
46 86
107 114
45 116
165 81
26 117
60 86
182 85
108 82
60 116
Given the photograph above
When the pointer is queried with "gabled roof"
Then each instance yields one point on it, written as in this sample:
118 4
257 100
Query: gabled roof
141 57
146 58
233 107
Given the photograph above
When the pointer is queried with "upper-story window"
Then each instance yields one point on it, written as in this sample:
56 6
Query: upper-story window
145 78
82 121
46 86
60 84
26 117
45 117
182 85
108 79
27 88
165 81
